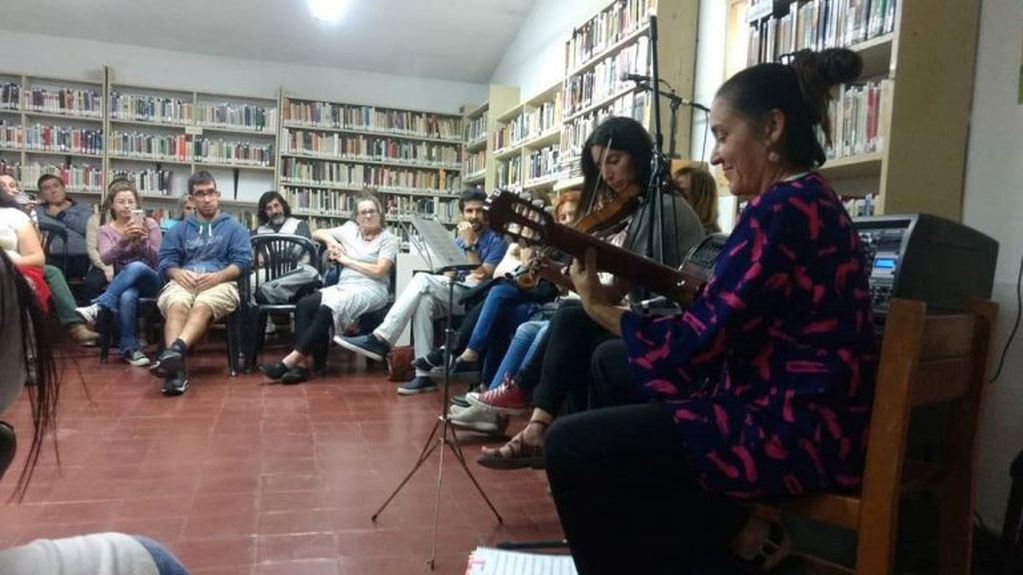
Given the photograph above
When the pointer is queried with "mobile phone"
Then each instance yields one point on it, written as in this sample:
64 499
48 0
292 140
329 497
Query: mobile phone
138 216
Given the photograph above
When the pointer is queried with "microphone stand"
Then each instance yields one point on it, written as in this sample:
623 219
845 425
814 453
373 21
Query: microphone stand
658 183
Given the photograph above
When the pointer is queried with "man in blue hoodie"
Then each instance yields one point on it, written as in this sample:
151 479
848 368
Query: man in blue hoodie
200 259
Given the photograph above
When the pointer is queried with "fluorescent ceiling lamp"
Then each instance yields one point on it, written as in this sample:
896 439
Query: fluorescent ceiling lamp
329 11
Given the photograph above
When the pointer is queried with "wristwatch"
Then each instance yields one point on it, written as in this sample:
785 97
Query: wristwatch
471 248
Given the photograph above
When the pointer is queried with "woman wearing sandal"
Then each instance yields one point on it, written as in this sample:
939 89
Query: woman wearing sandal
783 334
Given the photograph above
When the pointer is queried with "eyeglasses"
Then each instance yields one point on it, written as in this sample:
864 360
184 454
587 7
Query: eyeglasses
203 194
368 212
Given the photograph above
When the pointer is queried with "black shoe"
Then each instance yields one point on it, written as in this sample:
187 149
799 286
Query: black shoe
297 374
274 371
431 360
418 385
175 384
171 361
460 372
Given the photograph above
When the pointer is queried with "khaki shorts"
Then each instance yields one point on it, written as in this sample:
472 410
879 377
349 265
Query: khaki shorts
221 298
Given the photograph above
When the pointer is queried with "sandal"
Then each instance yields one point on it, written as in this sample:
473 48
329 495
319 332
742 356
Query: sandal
515 454
775 547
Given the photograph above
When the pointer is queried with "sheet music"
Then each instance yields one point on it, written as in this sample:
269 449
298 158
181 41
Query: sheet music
490 561
440 246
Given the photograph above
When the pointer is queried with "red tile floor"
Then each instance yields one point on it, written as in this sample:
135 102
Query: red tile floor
239 476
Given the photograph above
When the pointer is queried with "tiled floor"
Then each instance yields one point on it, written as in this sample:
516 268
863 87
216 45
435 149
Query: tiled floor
239 476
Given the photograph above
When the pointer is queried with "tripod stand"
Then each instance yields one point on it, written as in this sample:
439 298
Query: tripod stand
444 426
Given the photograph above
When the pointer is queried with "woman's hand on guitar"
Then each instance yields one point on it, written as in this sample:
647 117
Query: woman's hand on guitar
587 283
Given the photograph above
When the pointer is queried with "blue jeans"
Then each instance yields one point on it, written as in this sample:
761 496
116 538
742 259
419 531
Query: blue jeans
524 345
135 280
165 561
504 309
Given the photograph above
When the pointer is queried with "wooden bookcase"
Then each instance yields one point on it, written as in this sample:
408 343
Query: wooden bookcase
926 62
330 151
481 135
53 126
616 41
527 143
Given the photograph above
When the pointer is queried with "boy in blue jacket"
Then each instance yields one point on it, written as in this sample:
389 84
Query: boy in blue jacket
200 259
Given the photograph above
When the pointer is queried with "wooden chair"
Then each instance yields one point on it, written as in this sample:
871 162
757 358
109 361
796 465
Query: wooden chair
925 360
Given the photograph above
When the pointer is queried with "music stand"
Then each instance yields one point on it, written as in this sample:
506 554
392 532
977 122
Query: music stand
434 241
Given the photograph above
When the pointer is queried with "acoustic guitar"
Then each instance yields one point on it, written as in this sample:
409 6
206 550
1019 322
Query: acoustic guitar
516 217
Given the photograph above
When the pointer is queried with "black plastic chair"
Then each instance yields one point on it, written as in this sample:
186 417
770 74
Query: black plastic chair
274 255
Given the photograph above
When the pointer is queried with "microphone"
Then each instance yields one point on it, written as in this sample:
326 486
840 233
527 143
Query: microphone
627 77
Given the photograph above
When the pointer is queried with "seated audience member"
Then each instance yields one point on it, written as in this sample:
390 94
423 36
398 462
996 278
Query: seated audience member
28 363
20 239
186 208
367 252
99 274
426 296
274 216
782 333
56 207
616 156
131 245
200 259
701 191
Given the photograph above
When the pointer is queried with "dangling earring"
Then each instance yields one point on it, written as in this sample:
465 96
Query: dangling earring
773 157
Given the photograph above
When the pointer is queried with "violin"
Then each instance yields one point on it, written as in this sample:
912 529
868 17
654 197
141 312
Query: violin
612 212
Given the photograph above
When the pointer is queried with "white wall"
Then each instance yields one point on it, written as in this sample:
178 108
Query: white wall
84 59
994 205
535 60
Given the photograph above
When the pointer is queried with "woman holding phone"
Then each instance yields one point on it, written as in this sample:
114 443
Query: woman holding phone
130 242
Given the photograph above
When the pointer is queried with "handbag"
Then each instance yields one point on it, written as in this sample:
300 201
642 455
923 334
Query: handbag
399 363
290 287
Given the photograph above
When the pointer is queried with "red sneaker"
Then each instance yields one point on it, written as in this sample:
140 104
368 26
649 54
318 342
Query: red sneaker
508 398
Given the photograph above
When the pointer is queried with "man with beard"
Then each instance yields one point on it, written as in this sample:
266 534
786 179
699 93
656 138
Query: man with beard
275 217
426 297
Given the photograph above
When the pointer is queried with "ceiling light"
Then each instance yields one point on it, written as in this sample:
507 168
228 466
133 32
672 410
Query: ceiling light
329 11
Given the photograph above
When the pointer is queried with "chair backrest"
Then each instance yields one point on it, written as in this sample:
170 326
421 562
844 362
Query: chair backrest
55 238
8 446
925 360
278 254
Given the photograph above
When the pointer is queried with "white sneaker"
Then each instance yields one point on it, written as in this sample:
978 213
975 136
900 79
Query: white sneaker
88 313
478 419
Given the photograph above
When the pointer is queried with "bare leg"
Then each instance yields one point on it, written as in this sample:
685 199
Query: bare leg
198 320
531 436
469 355
174 323
294 358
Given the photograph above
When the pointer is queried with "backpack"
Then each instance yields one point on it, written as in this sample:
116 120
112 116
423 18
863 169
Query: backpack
290 287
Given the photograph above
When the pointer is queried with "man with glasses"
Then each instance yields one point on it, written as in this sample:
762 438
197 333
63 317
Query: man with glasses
200 259
426 296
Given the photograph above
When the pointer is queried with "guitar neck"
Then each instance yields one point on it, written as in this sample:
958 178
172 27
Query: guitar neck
636 269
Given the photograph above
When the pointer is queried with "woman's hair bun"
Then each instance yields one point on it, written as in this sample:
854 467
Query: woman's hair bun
827 68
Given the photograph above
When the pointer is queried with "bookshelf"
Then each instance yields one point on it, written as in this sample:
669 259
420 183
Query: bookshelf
900 131
613 42
486 127
527 143
331 151
53 126
159 136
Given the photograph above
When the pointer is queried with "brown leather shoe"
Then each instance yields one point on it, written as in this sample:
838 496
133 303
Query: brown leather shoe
82 335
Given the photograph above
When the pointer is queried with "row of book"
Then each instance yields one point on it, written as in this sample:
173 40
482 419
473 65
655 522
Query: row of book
605 29
237 116
371 118
69 101
51 138
859 118
342 146
77 177
817 25
475 162
333 202
156 109
509 173
149 182
544 118
10 96
605 79
573 134
357 175
512 134
185 148
542 163
476 128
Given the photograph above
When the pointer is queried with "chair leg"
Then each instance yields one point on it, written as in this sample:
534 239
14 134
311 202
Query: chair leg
105 323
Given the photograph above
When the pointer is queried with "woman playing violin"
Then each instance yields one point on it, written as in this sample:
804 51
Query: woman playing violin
616 163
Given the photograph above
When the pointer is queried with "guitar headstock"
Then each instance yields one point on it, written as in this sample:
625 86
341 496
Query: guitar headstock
515 216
